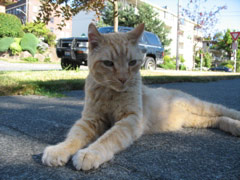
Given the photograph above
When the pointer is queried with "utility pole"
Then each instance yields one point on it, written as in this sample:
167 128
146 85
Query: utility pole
178 29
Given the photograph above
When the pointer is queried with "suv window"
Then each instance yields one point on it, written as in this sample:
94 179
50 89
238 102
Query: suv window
152 39
104 30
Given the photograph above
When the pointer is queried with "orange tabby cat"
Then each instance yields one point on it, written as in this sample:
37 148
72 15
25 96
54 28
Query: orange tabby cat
119 109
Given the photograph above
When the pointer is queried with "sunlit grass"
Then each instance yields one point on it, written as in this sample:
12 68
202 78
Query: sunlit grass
53 83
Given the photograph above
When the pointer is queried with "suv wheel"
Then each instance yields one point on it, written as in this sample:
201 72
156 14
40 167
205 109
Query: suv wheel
150 64
66 65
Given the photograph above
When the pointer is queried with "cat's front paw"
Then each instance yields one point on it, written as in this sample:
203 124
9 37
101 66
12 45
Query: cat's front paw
55 155
87 159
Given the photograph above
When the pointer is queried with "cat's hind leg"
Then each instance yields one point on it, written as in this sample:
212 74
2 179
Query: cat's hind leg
201 114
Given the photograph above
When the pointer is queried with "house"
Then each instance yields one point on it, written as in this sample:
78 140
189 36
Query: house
2 9
28 10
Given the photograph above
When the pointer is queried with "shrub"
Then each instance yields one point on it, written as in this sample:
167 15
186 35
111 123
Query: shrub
5 43
15 46
207 58
228 64
169 63
30 59
50 39
40 29
29 43
47 59
10 26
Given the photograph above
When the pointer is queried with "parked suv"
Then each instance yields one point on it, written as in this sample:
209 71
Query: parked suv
73 51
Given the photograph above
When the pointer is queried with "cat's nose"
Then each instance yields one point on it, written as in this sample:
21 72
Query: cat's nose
122 80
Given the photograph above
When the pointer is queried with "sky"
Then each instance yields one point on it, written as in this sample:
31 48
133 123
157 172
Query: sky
228 18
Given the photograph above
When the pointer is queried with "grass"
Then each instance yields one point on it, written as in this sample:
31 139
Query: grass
53 83
26 62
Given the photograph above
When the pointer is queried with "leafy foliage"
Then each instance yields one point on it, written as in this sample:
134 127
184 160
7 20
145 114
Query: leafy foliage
5 43
128 17
206 61
168 63
40 29
224 42
67 9
15 46
10 26
29 43
30 59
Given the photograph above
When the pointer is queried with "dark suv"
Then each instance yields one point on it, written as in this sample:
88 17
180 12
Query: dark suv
73 51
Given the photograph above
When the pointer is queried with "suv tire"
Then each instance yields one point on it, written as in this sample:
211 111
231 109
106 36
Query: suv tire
66 65
150 64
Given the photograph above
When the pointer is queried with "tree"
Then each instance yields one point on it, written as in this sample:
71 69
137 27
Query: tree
224 43
128 17
69 8
199 13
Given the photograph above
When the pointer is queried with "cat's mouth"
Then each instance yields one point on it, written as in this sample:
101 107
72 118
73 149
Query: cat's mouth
119 87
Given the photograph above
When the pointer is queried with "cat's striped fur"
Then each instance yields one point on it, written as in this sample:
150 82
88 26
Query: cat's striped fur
119 109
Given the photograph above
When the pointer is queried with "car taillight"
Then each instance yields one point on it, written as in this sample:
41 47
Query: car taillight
163 54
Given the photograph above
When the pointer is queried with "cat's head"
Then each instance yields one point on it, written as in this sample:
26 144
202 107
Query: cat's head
114 59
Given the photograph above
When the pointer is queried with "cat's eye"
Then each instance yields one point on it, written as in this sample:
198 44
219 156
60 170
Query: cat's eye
108 63
132 63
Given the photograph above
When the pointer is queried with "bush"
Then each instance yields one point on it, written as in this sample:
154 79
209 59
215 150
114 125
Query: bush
229 64
169 63
40 29
207 60
50 39
10 26
47 59
29 43
5 43
30 59
15 46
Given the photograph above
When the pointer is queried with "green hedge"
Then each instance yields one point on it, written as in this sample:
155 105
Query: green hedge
10 26
5 43
29 43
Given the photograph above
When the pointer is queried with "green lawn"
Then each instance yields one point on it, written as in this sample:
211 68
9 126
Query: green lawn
53 83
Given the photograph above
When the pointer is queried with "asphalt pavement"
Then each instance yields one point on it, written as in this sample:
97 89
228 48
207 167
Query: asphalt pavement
29 123
7 66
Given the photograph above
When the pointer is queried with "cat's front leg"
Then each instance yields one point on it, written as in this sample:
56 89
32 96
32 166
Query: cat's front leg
83 131
119 137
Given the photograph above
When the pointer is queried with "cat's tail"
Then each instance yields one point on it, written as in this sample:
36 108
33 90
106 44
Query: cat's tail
203 114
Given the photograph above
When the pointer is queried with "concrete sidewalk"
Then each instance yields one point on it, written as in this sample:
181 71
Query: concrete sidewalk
29 123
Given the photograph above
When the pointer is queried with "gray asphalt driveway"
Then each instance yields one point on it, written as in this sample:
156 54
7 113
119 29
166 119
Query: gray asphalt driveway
29 123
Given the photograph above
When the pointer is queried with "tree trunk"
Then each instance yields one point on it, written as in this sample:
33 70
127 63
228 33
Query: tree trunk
115 15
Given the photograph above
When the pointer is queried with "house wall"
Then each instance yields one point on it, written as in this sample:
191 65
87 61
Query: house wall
29 12
2 9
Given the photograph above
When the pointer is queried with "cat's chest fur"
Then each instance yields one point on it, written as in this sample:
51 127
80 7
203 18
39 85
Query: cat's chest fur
110 104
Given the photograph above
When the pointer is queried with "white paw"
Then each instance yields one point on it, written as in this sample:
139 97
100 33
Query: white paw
87 159
55 155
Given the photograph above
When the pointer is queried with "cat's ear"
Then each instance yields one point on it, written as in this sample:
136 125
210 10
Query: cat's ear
136 33
94 36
